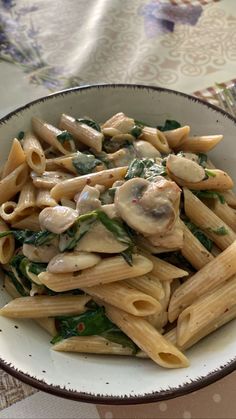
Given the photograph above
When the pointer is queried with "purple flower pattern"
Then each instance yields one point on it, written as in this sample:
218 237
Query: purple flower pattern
161 18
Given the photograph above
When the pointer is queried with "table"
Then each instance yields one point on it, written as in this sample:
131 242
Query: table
186 45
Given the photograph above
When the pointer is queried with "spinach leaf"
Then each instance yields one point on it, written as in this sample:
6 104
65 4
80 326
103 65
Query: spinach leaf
5 233
220 231
141 123
202 159
136 131
69 239
64 136
39 238
145 168
20 135
115 227
85 163
92 323
210 195
169 125
90 122
127 254
37 268
200 235
18 286
18 262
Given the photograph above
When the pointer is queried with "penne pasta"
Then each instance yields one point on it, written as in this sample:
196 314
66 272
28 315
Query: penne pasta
204 311
201 144
65 162
82 132
13 183
118 123
15 158
217 271
30 222
156 138
223 211
68 188
7 244
147 338
125 297
45 306
108 270
217 181
27 201
176 137
147 284
163 270
230 198
7 211
34 153
53 136
194 251
91 345
204 218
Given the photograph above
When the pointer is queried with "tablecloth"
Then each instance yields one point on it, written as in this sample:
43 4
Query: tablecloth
45 46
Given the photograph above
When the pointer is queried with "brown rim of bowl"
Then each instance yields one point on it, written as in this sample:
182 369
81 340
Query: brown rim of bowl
171 393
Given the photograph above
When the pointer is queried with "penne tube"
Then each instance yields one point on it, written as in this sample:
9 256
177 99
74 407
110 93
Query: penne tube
147 338
218 181
7 211
30 222
118 123
200 144
223 211
125 297
15 158
26 200
217 271
65 162
91 345
163 270
44 199
7 244
49 179
10 288
50 134
45 306
194 251
82 132
175 137
167 292
209 222
149 285
34 153
204 311
108 270
13 183
158 320
156 138
68 188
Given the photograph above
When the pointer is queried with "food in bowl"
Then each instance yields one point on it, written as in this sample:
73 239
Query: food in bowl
85 210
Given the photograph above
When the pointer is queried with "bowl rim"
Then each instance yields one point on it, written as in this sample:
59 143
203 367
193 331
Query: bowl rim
156 396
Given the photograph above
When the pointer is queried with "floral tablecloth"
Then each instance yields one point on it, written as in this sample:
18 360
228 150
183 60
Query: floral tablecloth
45 46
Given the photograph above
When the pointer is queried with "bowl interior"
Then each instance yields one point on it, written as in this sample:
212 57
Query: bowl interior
25 348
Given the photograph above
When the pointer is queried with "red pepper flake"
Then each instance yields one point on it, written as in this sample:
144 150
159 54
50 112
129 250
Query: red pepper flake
134 201
226 310
88 181
80 327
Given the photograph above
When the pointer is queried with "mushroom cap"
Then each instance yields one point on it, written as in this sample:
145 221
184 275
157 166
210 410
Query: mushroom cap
57 219
185 169
148 207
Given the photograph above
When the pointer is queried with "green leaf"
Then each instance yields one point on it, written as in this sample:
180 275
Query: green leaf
20 135
40 238
136 131
200 235
220 231
145 168
115 227
209 173
210 195
18 262
202 159
85 163
5 233
169 125
18 286
141 123
90 122
65 136
127 254
71 237
37 268
135 169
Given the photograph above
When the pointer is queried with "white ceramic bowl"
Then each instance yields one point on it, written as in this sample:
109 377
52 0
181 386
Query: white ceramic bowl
25 349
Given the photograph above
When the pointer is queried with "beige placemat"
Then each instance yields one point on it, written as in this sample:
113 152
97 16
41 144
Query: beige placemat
12 390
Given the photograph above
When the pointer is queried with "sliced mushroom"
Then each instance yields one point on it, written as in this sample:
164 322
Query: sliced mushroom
99 239
88 200
57 219
110 210
39 254
144 149
190 156
149 208
72 262
184 169
171 240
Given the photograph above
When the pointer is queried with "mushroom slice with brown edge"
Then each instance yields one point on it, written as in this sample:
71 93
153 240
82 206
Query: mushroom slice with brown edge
190 174
148 207
57 219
